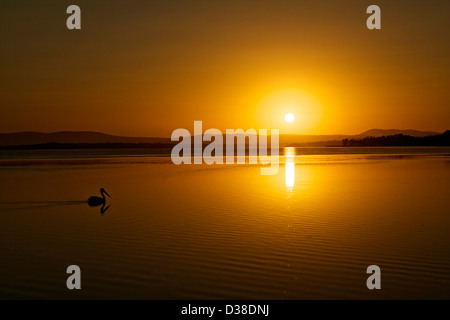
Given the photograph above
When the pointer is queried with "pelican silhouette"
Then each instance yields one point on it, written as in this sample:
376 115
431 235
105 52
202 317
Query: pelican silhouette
96 201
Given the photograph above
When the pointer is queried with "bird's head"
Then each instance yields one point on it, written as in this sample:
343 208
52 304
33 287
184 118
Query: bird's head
103 190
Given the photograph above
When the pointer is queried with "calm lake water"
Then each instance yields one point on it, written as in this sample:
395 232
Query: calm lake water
225 231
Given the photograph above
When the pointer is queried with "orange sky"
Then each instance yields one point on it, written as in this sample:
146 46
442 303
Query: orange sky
145 68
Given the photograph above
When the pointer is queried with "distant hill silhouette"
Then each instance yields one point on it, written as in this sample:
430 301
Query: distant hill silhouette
81 139
393 132
400 140
34 138
336 140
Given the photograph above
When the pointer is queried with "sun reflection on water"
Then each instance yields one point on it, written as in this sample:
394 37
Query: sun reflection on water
289 154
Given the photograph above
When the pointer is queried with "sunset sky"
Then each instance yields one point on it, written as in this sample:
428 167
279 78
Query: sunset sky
146 68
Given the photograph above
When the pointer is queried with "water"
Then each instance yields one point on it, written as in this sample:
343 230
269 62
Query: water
225 231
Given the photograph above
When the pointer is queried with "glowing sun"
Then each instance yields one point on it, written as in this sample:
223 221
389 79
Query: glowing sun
289 117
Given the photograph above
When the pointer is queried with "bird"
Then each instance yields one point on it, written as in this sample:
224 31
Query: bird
96 201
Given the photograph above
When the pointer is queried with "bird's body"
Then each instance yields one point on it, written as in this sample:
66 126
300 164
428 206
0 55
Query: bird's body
97 201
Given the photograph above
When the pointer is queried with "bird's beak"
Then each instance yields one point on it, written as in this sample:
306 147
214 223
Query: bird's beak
107 194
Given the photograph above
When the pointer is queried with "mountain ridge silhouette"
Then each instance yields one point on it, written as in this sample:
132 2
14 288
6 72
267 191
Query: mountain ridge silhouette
92 137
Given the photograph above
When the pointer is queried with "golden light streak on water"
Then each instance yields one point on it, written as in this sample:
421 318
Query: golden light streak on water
290 168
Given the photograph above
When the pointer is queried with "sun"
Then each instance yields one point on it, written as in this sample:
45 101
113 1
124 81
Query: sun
293 110
289 117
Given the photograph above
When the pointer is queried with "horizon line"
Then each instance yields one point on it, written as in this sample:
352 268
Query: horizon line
160 137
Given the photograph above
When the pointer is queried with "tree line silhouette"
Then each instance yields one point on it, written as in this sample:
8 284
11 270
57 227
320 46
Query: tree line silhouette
400 140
